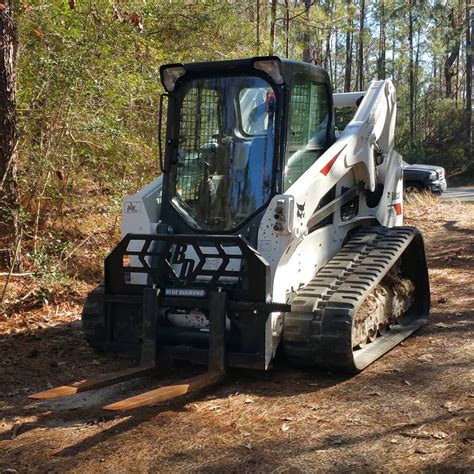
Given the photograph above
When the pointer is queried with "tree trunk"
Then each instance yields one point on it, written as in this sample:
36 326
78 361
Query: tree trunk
8 136
457 85
258 27
327 41
468 110
394 44
451 59
318 52
327 56
273 8
415 81
287 29
336 52
360 57
348 67
307 34
411 71
448 70
381 72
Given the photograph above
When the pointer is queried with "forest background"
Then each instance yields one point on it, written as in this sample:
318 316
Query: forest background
79 94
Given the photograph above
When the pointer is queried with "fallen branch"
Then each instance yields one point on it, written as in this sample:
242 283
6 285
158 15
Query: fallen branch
77 247
24 297
16 274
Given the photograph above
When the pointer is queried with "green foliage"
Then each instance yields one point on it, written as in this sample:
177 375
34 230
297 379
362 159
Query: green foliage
445 140
89 87
88 84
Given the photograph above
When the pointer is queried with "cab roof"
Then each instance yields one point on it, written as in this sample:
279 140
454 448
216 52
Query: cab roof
289 68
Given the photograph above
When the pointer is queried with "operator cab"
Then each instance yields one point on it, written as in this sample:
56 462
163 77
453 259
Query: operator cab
239 132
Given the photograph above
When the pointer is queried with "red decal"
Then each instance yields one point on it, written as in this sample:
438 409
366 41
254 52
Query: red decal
327 168
398 208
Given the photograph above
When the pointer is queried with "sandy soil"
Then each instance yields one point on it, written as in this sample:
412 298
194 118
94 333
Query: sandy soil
410 411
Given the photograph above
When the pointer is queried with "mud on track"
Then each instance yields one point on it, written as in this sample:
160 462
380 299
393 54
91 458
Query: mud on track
412 410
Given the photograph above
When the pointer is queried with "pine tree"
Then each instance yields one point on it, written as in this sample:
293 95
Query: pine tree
8 133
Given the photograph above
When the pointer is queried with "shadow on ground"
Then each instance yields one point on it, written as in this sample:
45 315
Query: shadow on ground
32 356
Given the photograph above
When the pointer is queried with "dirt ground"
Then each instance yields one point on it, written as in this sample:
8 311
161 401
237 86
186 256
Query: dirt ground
410 411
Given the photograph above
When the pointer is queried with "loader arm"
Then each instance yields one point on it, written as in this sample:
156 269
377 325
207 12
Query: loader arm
361 167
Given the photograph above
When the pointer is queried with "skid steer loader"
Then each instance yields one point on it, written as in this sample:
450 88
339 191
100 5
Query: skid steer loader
267 230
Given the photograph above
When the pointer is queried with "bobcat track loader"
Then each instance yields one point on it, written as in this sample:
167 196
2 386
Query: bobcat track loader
265 231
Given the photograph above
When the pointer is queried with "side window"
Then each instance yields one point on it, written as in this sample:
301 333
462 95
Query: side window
307 128
256 105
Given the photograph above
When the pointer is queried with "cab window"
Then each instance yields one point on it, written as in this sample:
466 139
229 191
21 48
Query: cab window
307 129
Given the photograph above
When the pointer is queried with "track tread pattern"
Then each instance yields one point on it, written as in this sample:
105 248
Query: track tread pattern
318 331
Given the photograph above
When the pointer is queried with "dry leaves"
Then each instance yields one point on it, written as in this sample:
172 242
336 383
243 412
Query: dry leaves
426 358
452 407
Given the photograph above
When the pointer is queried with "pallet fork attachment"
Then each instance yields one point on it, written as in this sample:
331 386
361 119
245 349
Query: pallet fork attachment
93 383
216 366
168 392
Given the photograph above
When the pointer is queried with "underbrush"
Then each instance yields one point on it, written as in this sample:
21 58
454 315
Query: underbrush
421 199
425 209
65 261
62 258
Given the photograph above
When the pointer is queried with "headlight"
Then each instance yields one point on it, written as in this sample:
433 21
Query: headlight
272 67
170 74
433 176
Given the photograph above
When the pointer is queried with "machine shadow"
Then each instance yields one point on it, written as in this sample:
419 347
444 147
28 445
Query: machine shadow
281 381
453 227
449 253
79 362
42 358
58 355
264 385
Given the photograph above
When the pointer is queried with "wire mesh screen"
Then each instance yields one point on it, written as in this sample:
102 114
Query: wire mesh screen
307 130
198 124
300 101
308 109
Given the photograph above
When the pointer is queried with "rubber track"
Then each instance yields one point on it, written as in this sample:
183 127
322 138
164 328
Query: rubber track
318 331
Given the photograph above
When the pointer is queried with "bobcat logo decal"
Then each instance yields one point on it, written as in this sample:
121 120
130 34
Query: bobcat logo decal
300 210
